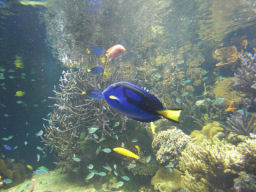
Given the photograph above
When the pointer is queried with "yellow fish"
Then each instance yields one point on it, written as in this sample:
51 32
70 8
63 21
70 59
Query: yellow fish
33 3
18 62
20 93
125 152
103 59
88 51
30 167
138 149
153 128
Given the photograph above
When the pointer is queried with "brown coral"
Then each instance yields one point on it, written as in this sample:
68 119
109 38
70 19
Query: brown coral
226 55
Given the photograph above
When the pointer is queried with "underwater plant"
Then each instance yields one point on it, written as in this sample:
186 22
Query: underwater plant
241 123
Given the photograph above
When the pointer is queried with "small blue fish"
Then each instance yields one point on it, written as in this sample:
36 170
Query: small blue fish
40 170
90 166
94 2
3 4
93 130
95 94
131 166
97 50
187 81
219 101
96 70
148 158
39 133
89 176
76 159
93 9
102 174
126 178
253 86
106 150
95 136
7 147
119 184
7 138
108 168
7 181
170 165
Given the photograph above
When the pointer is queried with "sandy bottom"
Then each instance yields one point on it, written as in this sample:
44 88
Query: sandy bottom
53 181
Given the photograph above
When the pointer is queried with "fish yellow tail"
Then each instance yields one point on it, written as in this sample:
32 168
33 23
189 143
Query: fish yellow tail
172 114
125 152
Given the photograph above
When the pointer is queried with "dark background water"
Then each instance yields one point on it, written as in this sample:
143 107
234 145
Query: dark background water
22 33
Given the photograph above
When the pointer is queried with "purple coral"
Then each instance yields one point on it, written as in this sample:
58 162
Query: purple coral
245 77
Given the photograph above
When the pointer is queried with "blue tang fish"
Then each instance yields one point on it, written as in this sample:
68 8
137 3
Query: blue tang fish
97 50
95 94
137 104
2 3
96 70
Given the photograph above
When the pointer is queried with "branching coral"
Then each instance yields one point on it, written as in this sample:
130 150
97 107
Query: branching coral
245 75
241 124
248 150
14 171
168 145
210 166
74 113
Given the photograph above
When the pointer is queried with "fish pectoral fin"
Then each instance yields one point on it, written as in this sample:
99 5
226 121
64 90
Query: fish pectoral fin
114 98
172 114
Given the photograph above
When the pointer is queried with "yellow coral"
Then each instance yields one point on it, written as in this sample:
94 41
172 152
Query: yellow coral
210 131
210 166
164 180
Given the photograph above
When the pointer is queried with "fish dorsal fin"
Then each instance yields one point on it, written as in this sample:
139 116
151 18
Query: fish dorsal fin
141 98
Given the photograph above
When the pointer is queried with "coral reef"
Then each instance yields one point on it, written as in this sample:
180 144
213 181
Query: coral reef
164 180
210 166
245 182
210 132
248 150
74 113
226 55
145 168
245 76
168 146
14 171
241 123
220 18
223 89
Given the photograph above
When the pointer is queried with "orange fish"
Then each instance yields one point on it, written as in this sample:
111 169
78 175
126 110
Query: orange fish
231 107
115 51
